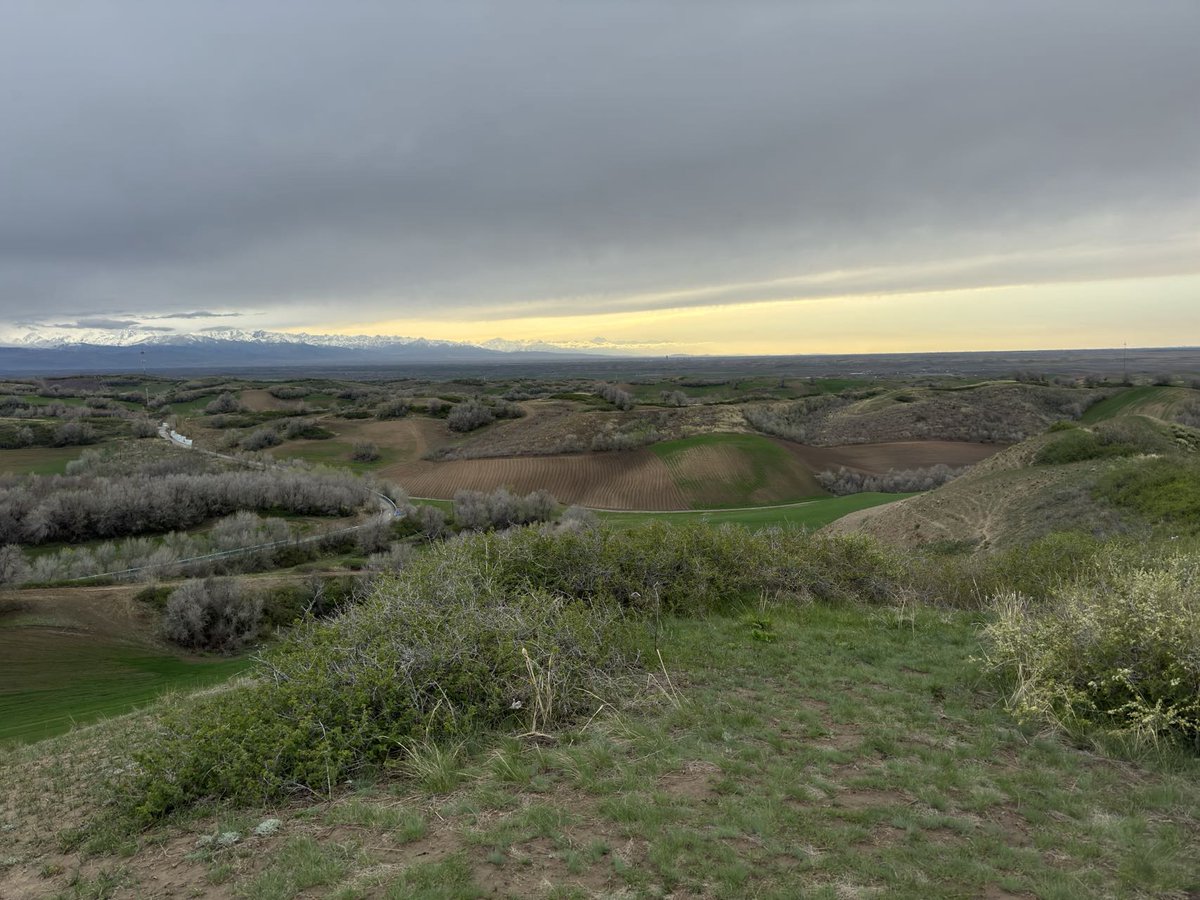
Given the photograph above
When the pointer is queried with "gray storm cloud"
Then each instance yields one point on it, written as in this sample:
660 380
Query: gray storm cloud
583 157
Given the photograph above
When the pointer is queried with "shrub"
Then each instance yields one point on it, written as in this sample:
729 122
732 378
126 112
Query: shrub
73 434
13 567
578 517
395 559
436 654
500 509
629 436
288 391
795 421
364 451
469 416
846 481
430 520
142 427
614 395
1188 414
392 409
213 614
1119 649
1107 441
1041 568
261 439
306 429
689 568
522 628
1165 490
226 403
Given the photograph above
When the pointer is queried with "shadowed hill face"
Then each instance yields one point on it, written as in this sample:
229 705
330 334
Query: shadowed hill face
1046 484
994 412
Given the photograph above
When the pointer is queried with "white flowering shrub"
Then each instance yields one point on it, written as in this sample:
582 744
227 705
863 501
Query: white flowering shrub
1119 649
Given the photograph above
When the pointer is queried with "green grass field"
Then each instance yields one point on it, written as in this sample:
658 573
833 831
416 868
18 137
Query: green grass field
1133 400
42 400
192 406
752 471
805 514
333 452
38 460
54 678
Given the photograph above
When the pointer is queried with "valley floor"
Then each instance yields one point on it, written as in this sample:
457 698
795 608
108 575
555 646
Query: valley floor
820 751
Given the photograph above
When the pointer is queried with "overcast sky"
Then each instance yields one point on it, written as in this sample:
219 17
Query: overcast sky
712 176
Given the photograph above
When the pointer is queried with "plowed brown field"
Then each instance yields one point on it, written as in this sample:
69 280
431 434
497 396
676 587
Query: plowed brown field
412 438
263 401
876 459
747 471
633 480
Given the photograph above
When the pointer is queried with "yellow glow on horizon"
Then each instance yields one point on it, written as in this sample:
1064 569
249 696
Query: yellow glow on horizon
1143 312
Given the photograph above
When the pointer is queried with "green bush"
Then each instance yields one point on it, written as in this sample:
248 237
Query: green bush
517 628
213 614
1118 649
1122 437
691 569
1164 490
1038 569
441 653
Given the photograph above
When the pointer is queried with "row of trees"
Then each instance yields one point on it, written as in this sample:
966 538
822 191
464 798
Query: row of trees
81 508
192 555
619 398
478 511
847 481
794 421
627 438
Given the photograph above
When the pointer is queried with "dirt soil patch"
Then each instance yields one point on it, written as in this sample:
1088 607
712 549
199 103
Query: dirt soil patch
631 480
877 459
265 401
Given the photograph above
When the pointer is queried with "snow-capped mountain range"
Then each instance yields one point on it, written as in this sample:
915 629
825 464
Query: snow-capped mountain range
51 337
50 348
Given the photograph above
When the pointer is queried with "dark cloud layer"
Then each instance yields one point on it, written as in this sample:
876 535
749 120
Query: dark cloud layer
561 157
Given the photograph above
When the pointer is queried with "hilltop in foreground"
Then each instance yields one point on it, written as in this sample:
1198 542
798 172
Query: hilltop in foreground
1001 704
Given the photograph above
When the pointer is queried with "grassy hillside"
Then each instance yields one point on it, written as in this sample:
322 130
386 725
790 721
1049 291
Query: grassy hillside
38 460
1147 400
54 680
714 470
993 412
806 514
1054 482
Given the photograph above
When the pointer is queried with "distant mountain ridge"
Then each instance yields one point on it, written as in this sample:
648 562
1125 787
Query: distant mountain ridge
47 349
52 337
